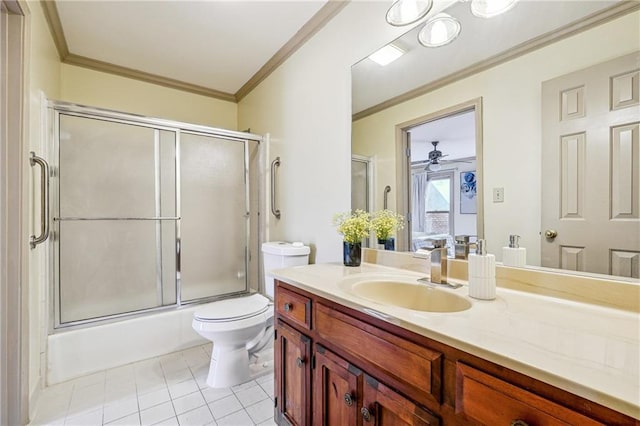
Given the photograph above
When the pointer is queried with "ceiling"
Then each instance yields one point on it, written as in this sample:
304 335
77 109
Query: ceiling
216 48
482 43
456 135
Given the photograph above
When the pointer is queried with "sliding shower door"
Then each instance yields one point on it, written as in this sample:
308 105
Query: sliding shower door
146 216
116 218
214 212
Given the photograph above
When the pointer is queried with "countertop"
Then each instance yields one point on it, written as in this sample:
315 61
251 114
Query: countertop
589 350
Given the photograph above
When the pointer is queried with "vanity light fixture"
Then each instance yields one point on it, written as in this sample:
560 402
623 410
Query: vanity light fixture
405 12
386 55
440 30
490 8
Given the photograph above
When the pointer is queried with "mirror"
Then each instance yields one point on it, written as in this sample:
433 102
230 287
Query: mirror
502 61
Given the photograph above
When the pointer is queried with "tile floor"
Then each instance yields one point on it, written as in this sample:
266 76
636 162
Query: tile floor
168 390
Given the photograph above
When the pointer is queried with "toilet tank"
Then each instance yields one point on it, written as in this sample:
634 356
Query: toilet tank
280 254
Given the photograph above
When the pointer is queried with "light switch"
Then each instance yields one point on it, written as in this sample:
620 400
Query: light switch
498 195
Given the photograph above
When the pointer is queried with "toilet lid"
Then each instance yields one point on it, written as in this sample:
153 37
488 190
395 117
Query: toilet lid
233 309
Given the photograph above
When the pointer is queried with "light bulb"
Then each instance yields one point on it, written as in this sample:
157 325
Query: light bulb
440 30
491 8
405 12
438 33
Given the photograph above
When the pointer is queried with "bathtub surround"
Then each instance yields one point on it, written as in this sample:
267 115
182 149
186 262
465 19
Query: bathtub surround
76 353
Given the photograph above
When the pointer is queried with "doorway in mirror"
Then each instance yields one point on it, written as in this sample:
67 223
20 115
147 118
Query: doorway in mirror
441 169
362 197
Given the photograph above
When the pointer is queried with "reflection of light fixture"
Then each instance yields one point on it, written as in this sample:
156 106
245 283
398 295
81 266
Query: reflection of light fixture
405 12
386 55
490 8
440 30
434 166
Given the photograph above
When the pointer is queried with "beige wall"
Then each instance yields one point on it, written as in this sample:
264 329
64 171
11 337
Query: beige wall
511 125
44 81
93 88
305 105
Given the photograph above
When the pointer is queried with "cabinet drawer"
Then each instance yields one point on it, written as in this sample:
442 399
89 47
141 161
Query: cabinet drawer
293 307
489 400
410 368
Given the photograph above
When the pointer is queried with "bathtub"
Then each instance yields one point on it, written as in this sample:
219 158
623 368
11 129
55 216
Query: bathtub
76 353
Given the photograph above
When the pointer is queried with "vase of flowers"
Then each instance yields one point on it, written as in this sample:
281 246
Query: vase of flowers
385 223
354 226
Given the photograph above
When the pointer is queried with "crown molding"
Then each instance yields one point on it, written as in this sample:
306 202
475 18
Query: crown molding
55 27
529 46
83 61
315 24
308 30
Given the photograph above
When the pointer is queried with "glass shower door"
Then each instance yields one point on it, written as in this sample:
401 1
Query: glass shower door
115 220
214 203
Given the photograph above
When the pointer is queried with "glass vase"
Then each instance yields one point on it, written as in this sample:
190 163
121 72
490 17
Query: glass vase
389 243
351 253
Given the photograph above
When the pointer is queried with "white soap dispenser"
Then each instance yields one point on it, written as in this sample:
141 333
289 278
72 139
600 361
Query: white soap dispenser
482 273
514 255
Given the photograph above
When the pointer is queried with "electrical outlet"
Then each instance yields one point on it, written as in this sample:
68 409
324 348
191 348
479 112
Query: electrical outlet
498 195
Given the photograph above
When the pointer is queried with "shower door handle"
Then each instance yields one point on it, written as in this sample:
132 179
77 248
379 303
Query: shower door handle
275 163
44 199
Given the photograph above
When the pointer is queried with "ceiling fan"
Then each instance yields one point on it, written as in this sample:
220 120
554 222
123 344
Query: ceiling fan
434 162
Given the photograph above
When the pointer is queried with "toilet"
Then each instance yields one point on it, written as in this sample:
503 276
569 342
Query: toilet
241 328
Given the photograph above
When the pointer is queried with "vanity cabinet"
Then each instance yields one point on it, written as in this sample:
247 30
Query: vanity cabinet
340 366
293 374
489 400
337 388
344 395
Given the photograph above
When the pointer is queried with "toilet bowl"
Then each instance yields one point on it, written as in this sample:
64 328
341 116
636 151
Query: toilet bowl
241 328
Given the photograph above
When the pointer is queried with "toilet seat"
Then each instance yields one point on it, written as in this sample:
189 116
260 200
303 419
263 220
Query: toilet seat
235 309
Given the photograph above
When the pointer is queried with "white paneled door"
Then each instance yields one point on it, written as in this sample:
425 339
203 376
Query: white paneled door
590 169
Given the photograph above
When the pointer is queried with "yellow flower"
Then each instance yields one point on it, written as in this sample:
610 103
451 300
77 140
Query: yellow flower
353 226
385 223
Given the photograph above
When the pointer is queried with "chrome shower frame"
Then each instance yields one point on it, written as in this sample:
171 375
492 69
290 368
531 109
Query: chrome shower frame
58 108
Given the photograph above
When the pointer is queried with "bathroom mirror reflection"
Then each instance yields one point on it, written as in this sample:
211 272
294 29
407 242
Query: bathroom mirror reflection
530 45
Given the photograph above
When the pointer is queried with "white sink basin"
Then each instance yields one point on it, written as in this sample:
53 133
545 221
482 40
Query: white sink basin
406 293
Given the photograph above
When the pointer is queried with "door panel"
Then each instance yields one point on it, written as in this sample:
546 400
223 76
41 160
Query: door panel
590 169
293 370
339 386
214 216
382 406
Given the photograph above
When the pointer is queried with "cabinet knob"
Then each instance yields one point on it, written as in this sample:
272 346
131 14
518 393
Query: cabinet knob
299 362
366 414
519 422
288 307
348 399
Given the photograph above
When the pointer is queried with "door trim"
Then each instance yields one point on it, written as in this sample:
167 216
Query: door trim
403 164
14 325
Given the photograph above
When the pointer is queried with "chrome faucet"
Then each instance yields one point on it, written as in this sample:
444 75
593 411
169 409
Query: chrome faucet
438 264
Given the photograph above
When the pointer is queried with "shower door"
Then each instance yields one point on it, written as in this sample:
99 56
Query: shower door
146 216
116 218
215 216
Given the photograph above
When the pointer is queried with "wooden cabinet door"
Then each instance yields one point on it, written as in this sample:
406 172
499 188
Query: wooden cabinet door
337 389
382 406
293 376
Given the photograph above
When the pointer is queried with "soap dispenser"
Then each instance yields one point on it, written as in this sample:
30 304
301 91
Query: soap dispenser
482 273
514 255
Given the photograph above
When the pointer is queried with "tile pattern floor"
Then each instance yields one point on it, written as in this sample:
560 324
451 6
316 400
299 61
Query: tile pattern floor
168 390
